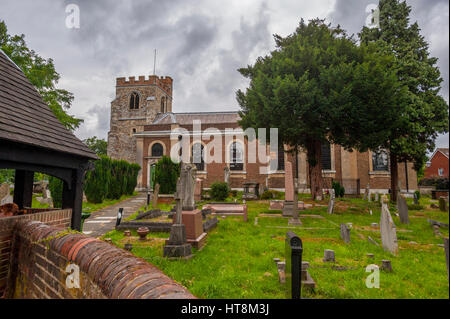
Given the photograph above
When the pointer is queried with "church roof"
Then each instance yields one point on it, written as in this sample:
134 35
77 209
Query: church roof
204 117
25 118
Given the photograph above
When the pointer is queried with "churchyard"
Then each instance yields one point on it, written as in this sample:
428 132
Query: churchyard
238 258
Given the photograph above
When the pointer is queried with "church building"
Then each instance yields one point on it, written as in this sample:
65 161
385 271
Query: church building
142 130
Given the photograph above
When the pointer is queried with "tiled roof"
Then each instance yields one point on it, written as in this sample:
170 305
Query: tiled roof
26 119
204 117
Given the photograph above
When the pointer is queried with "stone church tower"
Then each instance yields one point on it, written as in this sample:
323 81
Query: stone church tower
136 104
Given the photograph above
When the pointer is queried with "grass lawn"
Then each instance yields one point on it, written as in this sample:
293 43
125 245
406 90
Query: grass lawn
237 261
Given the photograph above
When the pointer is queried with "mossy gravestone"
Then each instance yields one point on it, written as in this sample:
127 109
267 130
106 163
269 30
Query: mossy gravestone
402 208
388 231
442 204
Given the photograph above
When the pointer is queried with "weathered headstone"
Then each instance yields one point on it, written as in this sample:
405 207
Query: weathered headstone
155 196
331 202
402 208
366 192
369 196
198 189
226 173
345 233
377 197
388 231
328 255
288 190
187 177
442 204
295 220
294 251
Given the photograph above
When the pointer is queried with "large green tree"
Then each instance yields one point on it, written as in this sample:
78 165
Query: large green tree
41 73
316 84
98 145
425 114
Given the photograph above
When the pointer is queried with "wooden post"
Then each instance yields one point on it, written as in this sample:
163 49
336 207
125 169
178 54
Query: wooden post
23 188
72 197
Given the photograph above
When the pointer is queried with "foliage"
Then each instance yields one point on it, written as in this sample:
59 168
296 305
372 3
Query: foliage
424 114
219 191
7 176
99 146
339 190
55 185
97 181
417 194
42 75
325 84
166 175
271 194
438 182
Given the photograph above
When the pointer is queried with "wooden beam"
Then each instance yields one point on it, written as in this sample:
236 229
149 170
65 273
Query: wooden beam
72 197
23 188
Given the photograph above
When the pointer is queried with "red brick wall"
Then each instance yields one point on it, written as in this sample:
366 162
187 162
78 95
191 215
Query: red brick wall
439 160
56 218
41 254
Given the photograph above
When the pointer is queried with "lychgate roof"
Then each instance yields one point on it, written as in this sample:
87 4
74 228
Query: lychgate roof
26 119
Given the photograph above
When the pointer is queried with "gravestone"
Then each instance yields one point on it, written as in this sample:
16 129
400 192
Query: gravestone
293 269
331 202
155 196
377 199
345 233
177 246
366 192
446 253
226 174
288 207
369 197
402 208
187 177
295 220
251 190
442 204
328 255
198 189
388 231
386 265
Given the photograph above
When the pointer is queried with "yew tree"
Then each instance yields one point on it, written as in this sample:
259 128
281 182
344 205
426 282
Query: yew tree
425 113
314 87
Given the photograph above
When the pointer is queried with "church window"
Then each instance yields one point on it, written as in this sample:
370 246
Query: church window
280 158
134 101
236 157
197 156
380 160
157 150
326 156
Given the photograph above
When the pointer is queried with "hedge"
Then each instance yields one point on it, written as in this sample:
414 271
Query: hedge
166 175
439 182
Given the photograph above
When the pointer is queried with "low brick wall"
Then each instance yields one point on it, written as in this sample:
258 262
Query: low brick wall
56 218
41 255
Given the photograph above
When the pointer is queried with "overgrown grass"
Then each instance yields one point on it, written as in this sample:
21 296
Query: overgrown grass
237 261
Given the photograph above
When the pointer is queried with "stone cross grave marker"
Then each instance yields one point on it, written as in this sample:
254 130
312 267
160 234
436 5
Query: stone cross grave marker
187 177
388 231
345 233
155 196
366 192
402 208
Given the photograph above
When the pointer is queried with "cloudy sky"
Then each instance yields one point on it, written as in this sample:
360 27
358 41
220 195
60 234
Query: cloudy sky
200 44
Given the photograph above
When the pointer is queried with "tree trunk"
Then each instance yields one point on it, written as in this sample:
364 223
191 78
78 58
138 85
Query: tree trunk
394 177
314 153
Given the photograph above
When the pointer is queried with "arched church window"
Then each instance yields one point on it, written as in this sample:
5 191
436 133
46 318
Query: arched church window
134 101
236 157
380 160
157 150
281 158
197 156
326 156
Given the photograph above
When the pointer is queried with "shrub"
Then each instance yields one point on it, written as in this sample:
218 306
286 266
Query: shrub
339 190
55 185
271 194
98 180
234 193
166 175
417 194
219 191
